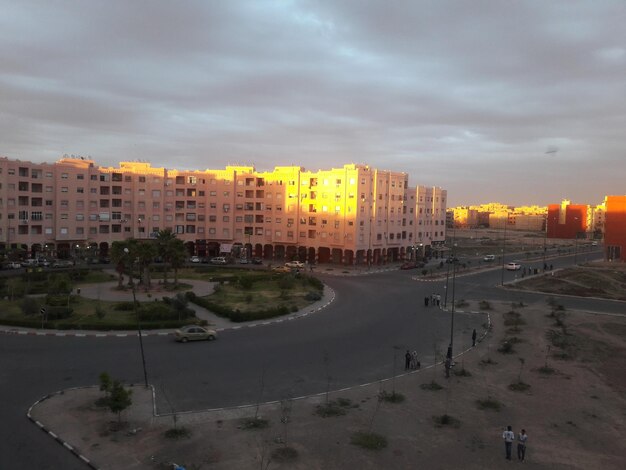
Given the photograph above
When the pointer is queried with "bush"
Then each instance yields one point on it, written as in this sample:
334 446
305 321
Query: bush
446 420
246 282
59 300
313 296
286 282
58 313
29 306
368 440
123 306
489 404
155 311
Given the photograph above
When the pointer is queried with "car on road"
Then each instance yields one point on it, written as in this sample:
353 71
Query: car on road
194 333
594 243
43 263
244 261
295 264
411 265
194 259
489 258
219 260
513 266
29 263
281 269
256 260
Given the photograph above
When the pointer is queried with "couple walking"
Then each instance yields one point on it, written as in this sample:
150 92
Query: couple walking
509 437
410 360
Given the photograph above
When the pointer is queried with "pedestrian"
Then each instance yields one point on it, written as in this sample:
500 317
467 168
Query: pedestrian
449 353
474 337
550 267
407 360
438 300
414 361
522 437
447 366
509 436
425 301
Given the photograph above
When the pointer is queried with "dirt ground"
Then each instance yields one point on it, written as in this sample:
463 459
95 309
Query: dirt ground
573 411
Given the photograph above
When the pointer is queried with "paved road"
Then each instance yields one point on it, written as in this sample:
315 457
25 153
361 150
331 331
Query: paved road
373 319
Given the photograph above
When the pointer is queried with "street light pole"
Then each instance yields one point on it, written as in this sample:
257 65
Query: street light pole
143 356
454 263
506 222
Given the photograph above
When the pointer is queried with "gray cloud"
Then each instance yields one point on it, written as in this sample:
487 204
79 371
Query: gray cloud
465 95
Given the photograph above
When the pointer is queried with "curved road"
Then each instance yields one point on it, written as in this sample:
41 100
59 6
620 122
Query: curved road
362 335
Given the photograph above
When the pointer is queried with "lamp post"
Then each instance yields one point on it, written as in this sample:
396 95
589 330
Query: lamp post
143 357
454 264
506 222
450 259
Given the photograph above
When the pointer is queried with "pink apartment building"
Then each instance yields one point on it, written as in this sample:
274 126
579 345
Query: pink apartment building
353 215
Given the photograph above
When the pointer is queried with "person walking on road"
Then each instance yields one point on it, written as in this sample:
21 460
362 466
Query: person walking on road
447 365
474 337
425 301
522 437
407 360
509 437
415 364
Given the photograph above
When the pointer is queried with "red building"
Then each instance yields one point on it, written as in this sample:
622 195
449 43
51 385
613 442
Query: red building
567 220
615 228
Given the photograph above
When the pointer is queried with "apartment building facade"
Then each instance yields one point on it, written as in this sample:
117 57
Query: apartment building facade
615 228
352 215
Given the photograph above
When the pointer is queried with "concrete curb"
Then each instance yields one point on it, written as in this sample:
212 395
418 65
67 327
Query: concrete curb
65 444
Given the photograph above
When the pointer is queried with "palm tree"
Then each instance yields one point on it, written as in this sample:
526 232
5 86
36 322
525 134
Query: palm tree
165 239
119 257
145 253
178 255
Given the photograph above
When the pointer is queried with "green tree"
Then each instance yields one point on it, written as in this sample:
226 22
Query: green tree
105 383
119 399
178 255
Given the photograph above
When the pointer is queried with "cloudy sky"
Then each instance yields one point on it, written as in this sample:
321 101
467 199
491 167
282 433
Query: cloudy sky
523 102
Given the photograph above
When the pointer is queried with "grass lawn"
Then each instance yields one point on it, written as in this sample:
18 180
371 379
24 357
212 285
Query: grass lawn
264 294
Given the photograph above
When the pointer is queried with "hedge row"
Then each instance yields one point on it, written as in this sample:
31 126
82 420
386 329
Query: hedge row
61 325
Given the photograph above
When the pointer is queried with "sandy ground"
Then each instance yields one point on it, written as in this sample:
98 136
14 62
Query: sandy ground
574 416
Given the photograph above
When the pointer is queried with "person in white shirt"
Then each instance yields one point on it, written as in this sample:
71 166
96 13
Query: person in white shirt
509 437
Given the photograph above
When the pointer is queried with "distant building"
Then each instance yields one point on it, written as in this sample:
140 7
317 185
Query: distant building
615 228
567 220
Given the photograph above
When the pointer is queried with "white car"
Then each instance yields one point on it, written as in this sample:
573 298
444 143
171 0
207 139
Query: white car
195 259
513 266
489 258
295 264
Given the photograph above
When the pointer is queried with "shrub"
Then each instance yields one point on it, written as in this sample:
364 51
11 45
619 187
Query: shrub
245 282
123 306
432 386
177 433
254 423
446 420
29 306
519 386
286 282
506 347
155 311
489 404
313 296
58 313
393 397
59 300
284 454
484 305
368 440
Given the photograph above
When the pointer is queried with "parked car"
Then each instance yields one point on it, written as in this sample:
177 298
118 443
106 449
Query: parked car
489 258
43 263
194 333
219 260
62 263
513 266
12 265
195 259
295 264
29 263
256 261
594 243
244 261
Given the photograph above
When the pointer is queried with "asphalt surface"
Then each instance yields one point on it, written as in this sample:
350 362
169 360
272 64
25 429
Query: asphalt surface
361 337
